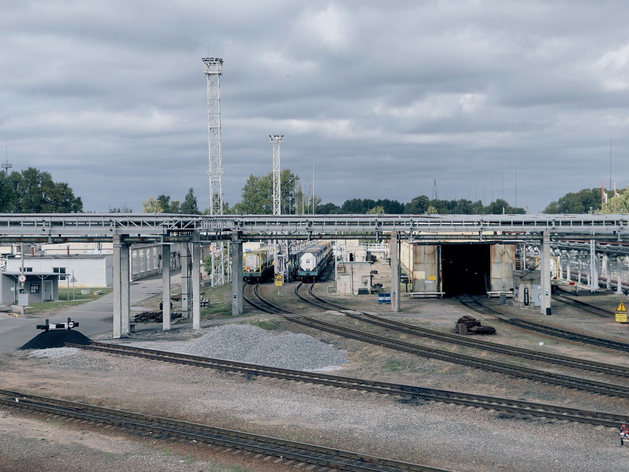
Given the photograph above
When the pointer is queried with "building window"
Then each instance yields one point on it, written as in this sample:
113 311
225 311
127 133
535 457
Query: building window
61 271
34 288
28 269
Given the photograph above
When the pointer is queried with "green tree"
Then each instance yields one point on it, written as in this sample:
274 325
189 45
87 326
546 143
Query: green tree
257 195
377 210
328 209
190 205
34 191
151 206
583 201
618 204
417 206
8 197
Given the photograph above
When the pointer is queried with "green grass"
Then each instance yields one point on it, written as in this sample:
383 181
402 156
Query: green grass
393 366
264 324
63 300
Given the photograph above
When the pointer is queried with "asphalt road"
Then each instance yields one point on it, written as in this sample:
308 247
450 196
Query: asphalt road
94 317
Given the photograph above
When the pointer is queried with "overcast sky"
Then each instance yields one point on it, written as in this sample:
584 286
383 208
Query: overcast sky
383 97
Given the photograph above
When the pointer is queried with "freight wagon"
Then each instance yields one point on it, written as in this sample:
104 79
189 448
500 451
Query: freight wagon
313 260
257 265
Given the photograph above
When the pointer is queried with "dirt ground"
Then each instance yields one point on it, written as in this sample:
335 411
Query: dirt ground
438 435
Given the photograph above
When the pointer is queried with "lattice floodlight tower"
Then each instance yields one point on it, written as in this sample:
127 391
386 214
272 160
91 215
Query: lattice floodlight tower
281 248
213 68
276 139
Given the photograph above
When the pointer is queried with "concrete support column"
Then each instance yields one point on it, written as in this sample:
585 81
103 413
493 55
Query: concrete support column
166 287
580 267
593 271
185 281
569 268
116 285
608 274
125 288
237 276
559 267
195 281
619 276
395 273
545 274
121 306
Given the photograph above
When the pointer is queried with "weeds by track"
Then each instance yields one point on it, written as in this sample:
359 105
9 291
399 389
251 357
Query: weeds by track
170 429
457 339
477 306
405 392
592 386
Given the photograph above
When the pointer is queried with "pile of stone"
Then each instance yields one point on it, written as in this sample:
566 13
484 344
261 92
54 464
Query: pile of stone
247 343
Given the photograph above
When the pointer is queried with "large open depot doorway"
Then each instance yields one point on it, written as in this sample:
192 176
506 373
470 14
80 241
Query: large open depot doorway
465 268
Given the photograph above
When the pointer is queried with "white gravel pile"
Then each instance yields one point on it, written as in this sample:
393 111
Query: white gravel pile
54 353
247 343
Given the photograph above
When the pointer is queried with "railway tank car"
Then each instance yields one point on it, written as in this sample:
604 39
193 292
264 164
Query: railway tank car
257 266
313 260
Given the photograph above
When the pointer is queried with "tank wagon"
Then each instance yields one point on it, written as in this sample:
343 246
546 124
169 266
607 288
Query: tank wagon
313 260
257 265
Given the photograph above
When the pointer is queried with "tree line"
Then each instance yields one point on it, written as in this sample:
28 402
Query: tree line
34 191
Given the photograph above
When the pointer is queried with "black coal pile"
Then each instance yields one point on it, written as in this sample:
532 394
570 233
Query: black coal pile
56 338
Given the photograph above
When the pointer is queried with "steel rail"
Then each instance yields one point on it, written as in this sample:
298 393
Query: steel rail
547 330
170 428
556 359
255 305
591 386
409 392
593 309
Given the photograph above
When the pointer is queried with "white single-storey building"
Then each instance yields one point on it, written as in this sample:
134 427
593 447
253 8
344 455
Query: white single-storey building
84 270
39 286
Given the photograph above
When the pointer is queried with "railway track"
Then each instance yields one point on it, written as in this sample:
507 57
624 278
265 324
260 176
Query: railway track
166 428
548 358
512 370
406 392
475 305
563 297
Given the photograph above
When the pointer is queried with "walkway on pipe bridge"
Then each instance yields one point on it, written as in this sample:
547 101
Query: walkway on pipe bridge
193 230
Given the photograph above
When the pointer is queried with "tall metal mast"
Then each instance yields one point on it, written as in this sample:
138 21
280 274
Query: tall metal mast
280 247
213 68
276 139
7 165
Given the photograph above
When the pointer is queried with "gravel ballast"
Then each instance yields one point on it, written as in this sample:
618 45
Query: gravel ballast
247 343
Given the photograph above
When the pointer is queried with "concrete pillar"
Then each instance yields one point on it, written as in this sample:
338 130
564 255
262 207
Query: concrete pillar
619 276
166 286
125 288
116 285
545 274
195 281
237 277
559 267
580 267
185 280
593 271
568 267
608 274
395 273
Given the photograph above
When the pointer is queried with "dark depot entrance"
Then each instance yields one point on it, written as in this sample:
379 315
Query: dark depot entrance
465 269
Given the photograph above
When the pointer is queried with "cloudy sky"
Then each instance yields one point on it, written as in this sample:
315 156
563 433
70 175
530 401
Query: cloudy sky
383 97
